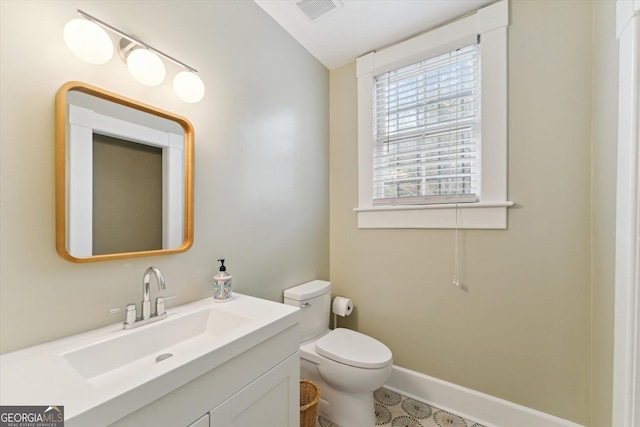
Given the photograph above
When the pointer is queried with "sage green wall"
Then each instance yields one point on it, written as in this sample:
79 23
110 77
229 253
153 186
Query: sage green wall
603 213
522 331
261 159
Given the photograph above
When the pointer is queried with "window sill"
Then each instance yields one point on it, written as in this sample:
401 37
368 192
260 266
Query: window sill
483 215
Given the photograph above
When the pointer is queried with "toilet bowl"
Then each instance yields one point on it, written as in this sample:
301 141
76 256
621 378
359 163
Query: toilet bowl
347 365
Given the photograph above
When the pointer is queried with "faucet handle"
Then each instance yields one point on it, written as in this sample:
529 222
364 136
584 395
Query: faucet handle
160 304
131 313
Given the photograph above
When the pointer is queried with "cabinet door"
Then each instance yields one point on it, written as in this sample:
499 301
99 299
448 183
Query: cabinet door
273 400
201 422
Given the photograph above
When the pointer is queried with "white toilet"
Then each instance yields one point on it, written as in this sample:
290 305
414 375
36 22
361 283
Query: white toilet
347 365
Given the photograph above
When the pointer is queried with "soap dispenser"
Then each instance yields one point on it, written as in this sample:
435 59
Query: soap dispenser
222 284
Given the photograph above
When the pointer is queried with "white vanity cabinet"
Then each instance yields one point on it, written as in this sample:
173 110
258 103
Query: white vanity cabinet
259 387
206 364
270 401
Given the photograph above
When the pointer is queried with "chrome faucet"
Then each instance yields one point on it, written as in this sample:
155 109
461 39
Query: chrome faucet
146 302
131 320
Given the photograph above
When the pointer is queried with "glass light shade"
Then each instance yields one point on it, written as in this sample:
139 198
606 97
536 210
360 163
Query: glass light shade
146 67
188 86
88 41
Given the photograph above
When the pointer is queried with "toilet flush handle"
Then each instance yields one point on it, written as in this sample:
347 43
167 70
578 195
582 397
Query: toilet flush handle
305 305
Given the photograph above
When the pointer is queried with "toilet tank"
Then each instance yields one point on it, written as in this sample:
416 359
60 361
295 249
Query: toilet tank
314 300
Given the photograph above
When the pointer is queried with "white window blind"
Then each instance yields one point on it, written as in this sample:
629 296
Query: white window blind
426 131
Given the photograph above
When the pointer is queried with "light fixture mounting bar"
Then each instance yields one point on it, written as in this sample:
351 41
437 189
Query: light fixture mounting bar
134 40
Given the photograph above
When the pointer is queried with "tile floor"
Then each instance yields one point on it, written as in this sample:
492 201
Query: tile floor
395 410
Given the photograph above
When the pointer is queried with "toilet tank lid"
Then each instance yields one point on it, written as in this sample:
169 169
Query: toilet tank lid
307 290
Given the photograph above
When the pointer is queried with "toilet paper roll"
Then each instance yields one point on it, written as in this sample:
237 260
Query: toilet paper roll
342 306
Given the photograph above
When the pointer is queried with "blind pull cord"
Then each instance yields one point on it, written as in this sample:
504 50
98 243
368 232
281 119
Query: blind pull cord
456 277
456 253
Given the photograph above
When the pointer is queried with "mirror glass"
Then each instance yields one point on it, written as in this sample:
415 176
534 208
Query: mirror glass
124 177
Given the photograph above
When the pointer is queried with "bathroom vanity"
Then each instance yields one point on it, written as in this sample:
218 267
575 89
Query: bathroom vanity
206 364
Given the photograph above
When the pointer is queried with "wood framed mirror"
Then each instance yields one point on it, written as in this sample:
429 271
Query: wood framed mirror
124 177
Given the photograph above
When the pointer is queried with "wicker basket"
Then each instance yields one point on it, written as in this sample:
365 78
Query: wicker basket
309 397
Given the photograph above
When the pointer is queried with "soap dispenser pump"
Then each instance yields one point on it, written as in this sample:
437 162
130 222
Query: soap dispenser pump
222 284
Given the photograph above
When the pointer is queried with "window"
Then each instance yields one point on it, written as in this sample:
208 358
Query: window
425 133
432 128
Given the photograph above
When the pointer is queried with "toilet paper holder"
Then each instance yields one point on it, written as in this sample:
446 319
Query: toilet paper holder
341 307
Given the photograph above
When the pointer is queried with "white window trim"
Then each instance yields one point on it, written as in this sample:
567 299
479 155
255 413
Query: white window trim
626 347
491 211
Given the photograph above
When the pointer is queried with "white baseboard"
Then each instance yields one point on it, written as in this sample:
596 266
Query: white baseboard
475 406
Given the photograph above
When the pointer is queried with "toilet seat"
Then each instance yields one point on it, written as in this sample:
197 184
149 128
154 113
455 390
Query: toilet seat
354 349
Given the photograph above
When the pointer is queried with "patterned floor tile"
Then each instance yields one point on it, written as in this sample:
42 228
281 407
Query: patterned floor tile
395 410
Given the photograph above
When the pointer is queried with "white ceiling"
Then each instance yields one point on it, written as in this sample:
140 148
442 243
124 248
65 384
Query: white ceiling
362 26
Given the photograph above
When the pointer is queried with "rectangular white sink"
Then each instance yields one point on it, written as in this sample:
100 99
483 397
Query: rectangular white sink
124 354
108 372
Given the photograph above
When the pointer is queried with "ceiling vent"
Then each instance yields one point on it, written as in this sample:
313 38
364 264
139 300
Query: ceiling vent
317 9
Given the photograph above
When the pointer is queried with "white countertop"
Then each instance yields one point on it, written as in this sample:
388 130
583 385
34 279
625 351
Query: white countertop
44 374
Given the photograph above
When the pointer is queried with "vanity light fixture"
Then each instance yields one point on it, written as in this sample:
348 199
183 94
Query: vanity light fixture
89 41
146 67
188 86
